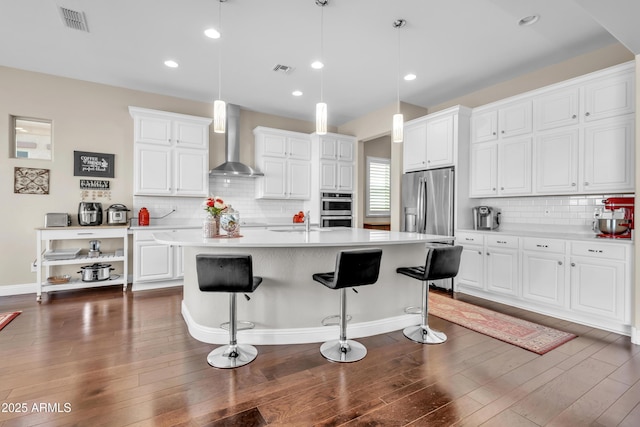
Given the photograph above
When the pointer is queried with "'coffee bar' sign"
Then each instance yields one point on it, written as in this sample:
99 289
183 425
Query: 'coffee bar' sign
93 164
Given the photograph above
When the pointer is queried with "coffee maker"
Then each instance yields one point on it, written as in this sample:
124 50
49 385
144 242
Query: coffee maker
90 213
485 218
615 221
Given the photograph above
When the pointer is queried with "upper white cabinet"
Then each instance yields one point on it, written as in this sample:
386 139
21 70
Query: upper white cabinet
335 154
582 139
431 141
171 153
285 159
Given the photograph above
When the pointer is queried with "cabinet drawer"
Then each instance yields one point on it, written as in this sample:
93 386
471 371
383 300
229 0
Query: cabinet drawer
599 250
503 241
543 245
469 239
86 233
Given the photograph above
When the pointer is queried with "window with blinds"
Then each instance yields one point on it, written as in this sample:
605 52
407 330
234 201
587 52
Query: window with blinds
378 186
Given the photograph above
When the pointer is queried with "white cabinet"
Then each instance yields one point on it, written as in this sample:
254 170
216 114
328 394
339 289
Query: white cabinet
544 271
502 271
484 170
285 159
514 167
431 141
153 261
556 162
471 272
335 154
504 121
610 95
171 153
586 281
557 108
49 256
598 281
608 155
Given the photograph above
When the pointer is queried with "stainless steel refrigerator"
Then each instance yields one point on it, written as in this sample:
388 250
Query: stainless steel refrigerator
427 206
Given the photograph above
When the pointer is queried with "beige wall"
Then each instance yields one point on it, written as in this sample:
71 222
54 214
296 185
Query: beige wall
86 117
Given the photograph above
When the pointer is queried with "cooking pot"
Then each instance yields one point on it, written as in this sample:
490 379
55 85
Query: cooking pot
95 272
613 227
117 214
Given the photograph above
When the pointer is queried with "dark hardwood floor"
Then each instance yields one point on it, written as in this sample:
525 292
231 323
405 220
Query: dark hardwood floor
103 358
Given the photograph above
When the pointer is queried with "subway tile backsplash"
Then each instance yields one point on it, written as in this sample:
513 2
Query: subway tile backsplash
239 192
574 211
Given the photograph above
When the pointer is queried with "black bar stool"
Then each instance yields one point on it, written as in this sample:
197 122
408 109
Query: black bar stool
442 262
232 274
356 267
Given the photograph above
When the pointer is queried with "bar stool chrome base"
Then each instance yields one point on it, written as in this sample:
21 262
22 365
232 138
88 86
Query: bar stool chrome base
343 351
232 356
424 334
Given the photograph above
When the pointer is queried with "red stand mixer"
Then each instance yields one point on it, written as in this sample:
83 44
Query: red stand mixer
616 220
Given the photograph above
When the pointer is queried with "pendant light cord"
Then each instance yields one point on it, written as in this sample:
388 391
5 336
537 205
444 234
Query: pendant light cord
322 52
398 70
220 50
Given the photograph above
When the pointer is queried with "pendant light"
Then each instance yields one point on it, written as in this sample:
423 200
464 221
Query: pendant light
397 133
219 106
321 107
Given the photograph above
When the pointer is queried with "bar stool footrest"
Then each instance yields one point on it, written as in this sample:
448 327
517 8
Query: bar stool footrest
328 321
240 325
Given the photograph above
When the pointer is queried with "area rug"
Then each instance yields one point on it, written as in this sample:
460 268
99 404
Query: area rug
5 318
522 333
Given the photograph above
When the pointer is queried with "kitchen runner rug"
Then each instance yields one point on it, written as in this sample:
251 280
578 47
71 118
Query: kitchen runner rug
522 333
5 318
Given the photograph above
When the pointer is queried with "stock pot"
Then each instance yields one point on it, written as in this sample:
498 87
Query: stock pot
95 272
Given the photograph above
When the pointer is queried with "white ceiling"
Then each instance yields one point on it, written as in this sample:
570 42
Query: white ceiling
454 47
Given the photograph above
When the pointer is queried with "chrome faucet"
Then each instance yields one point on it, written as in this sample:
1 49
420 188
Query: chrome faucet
307 222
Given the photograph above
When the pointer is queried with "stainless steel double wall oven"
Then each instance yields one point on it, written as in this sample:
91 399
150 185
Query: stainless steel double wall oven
336 210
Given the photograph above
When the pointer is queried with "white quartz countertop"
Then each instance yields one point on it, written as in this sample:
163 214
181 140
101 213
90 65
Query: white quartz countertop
338 236
586 235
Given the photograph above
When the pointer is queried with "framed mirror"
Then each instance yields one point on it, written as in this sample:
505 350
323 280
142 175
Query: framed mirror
32 138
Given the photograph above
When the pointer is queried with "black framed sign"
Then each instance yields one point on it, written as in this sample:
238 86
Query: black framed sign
93 164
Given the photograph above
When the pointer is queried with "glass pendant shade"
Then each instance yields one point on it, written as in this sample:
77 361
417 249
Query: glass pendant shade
398 128
321 118
219 116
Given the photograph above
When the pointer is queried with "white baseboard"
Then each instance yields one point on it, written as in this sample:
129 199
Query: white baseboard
296 335
144 286
635 335
26 288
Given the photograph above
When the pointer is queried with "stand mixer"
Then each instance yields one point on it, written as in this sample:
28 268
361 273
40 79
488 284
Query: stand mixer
616 220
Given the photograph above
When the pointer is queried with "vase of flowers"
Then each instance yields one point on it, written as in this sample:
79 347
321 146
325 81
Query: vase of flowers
214 206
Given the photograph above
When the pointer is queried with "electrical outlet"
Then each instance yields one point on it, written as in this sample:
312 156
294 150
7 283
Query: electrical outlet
174 208
547 212
34 268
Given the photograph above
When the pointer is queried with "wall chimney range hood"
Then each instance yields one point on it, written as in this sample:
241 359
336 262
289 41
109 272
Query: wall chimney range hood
232 165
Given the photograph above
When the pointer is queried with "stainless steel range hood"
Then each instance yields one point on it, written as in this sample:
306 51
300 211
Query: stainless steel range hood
232 165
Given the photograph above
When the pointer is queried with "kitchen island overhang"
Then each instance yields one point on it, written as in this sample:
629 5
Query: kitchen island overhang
289 306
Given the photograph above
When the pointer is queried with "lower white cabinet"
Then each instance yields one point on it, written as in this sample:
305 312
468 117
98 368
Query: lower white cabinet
587 282
153 261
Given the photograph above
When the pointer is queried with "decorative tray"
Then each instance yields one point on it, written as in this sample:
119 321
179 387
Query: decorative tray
58 254
59 280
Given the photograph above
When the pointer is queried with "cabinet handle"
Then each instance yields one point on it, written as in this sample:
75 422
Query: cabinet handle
494 133
502 242
501 188
493 189
479 252
488 253
469 239
573 264
502 132
428 161
559 262
587 114
586 183
595 251
574 116
542 246
573 184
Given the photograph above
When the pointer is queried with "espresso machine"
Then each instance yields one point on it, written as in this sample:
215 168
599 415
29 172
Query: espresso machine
485 218
615 219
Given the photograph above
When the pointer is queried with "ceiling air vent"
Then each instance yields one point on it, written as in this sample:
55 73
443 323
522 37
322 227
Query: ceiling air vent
74 19
282 68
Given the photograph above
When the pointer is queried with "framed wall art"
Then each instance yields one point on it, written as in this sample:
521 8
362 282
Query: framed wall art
93 164
31 181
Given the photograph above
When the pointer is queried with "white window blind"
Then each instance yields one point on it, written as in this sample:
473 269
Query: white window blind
378 186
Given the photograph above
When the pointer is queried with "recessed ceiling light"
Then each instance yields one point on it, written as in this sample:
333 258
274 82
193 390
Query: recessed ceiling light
317 65
528 20
171 63
296 93
410 77
212 33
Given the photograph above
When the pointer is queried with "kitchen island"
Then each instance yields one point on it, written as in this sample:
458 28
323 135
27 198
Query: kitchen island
289 306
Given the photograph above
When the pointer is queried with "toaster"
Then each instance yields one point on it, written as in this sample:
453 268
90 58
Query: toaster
57 220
